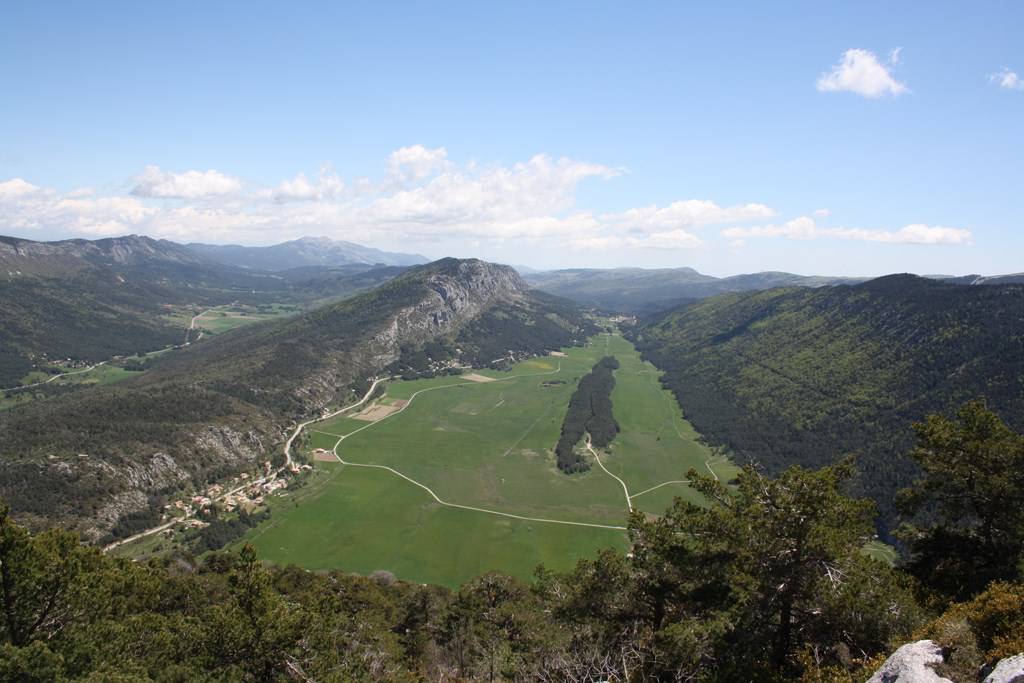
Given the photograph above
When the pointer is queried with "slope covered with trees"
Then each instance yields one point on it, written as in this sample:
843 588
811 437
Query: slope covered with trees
805 376
90 300
640 291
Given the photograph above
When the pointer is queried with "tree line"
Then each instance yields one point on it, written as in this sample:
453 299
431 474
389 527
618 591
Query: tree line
590 410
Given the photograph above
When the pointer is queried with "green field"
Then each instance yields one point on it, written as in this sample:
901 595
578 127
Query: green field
225 318
102 374
485 445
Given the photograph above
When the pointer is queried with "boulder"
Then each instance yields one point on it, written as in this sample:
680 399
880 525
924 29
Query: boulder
1009 670
910 664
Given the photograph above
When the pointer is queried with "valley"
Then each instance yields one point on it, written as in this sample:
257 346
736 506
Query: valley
457 477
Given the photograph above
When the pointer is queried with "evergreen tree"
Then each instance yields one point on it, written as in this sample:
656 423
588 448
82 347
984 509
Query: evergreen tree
965 513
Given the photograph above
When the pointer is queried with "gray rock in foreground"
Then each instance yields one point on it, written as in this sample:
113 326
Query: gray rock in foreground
910 664
1009 670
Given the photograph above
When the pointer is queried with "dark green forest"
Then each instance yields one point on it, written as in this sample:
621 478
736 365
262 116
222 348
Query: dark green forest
806 376
589 411
768 581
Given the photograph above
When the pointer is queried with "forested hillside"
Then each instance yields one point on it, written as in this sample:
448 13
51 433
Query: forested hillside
806 375
222 405
90 300
638 291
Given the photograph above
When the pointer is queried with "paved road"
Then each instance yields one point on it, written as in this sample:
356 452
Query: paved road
63 374
262 480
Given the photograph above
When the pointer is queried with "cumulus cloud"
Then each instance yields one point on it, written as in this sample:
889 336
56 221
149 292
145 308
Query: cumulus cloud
422 197
691 212
416 162
16 187
672 239
805 228
860 72
326 186
153 182
435 199
1007 80
25 206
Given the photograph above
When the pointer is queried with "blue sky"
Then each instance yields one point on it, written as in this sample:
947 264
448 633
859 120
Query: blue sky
727 138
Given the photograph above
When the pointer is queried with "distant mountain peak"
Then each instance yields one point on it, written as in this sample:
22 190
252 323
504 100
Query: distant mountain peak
302 252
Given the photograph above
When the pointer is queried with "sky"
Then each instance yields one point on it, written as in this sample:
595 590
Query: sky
855 138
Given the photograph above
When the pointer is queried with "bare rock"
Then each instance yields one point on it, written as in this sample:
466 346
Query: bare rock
912 663
1009 670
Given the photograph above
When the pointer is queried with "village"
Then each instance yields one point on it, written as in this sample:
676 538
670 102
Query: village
236 496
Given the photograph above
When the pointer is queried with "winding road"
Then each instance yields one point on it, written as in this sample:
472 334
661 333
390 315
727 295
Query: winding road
629 501
262 480
63 374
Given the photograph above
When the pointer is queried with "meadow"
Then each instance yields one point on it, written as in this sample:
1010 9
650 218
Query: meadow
485 445
225 318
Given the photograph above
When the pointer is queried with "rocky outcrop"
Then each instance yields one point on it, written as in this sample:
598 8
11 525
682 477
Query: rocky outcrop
1009 670
29 257
912 663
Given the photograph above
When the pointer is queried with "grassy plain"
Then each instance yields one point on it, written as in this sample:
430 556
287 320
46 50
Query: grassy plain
102 374
225 318
486 445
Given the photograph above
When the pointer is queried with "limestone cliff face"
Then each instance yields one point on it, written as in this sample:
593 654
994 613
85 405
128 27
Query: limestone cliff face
452 296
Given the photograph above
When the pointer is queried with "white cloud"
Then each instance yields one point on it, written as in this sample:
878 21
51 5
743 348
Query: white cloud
804 228
27 207
154 182
327 186
16 187
917 233
416 162
689 213
1007 80
533 201
673 239
860 72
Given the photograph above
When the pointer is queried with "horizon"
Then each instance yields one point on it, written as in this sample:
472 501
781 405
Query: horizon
854 139
521 266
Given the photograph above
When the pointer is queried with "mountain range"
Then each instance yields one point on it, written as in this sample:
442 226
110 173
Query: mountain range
641 291
307 251
90 300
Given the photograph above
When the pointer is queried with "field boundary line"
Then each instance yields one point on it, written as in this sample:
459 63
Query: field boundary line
625 490
433 495
707 463
664 483
476 509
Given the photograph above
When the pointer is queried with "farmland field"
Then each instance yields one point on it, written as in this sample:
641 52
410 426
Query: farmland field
488 446
224 318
